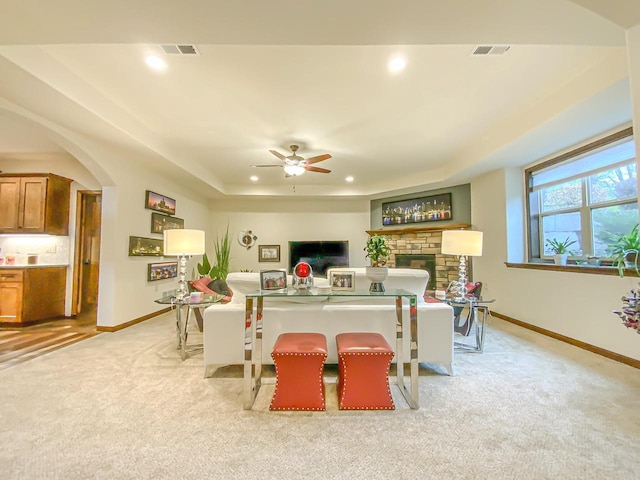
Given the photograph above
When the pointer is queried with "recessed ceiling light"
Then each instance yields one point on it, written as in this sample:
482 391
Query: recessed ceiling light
155 62
253 178
397 64
349 178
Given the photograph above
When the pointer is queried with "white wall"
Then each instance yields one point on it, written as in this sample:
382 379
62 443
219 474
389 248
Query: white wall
125 294
573 304
276 222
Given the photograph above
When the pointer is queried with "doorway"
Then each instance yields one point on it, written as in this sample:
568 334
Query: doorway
84 303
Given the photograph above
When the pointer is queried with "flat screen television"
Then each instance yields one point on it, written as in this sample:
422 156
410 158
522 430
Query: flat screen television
321 255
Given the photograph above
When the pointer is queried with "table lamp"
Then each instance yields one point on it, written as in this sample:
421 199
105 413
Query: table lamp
462 243
183 243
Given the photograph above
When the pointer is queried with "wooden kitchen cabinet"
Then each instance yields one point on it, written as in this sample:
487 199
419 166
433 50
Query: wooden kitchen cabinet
10 296
34 203
28 295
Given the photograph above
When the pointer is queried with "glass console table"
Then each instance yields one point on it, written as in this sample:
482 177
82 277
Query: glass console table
253 335
182 327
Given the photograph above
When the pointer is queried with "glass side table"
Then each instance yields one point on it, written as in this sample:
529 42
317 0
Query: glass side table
182 324
475 319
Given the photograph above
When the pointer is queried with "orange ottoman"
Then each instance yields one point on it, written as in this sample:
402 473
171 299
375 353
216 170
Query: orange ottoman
299 361
363 382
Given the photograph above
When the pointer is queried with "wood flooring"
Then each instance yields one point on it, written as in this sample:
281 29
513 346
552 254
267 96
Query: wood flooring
20 344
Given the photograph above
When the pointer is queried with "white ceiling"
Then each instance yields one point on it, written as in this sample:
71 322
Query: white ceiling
270 74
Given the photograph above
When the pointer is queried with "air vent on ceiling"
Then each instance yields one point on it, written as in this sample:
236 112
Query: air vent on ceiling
180 49
491 50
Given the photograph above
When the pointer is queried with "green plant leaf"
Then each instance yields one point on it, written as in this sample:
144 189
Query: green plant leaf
377 250
560 247
622 246
222 249
204 268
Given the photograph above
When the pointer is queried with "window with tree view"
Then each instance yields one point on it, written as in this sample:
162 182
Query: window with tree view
588 196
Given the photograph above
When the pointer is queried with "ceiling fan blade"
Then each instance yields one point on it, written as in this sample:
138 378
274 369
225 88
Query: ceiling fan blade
279 155
317 159
269 165
317 169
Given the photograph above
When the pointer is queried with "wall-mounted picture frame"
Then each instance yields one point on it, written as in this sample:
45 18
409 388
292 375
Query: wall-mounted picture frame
160 223
159 203
146 247
162 271
273 280
344 281
433 208
268 253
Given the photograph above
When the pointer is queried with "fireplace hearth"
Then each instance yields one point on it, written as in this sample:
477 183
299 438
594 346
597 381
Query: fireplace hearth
422 261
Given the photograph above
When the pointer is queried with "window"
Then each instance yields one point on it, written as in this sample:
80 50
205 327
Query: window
587 195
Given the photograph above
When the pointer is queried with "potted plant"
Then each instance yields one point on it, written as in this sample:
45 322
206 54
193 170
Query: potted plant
630 312
560 249
378 251
624 250
218 272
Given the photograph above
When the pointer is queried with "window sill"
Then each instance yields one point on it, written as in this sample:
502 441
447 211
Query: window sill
593 270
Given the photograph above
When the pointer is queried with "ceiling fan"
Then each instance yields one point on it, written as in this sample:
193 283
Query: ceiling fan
294 165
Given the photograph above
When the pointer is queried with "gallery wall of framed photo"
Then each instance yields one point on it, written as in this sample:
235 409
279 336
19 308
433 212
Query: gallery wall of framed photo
162 217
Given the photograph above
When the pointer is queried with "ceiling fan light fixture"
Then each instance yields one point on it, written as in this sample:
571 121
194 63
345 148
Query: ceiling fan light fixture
293 170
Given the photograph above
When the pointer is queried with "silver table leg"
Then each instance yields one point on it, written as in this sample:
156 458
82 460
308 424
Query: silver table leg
252 352
182 329
478 321
178 307
411 397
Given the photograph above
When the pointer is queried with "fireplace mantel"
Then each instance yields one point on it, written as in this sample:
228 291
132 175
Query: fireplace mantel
400 231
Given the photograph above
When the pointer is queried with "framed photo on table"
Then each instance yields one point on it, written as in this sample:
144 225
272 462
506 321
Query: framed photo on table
273 280
344 281
268 253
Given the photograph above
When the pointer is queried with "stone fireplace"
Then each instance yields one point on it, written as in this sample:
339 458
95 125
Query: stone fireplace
423 261
419 247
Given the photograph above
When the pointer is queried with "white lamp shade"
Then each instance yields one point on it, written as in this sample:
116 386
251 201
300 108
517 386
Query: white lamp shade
183 242
462 242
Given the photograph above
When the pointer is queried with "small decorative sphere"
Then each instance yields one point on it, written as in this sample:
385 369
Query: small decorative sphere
303 270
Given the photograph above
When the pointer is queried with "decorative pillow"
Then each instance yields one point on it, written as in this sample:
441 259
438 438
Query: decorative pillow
217 287
202 285
474 289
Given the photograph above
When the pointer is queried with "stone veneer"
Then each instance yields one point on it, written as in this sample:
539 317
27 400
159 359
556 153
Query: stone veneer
424 241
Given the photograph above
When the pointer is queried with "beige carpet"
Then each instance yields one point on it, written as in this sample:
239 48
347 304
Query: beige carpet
123 406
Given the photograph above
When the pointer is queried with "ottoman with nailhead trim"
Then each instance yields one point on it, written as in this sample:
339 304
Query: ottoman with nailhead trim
364 361
299 361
